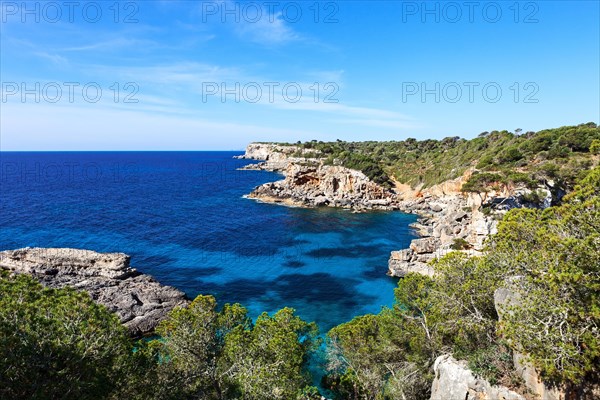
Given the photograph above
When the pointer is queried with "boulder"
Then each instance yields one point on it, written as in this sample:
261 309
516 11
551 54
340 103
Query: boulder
424 245
435 207
455 381
405 261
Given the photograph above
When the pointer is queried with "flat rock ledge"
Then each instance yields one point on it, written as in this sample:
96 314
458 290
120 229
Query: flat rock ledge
139 300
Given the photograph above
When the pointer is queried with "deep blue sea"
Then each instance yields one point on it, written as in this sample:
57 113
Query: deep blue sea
183 219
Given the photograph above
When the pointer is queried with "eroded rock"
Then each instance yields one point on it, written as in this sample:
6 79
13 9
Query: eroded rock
455 381
139 300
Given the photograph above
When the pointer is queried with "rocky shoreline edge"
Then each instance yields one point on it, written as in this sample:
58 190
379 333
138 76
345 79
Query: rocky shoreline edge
137 299
448 220
445 216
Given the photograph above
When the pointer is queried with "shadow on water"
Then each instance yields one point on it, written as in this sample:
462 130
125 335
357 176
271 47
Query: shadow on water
294 264
354 251
321 297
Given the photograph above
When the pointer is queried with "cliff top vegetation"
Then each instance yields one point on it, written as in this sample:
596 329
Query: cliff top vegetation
558 154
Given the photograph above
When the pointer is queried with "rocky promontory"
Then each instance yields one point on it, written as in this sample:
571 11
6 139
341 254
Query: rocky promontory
139 301
315 185
449 219
308 182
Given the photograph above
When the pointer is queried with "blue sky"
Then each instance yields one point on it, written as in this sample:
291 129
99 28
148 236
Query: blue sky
366 71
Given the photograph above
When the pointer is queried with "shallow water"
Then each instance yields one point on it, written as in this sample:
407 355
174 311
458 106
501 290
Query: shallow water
183 219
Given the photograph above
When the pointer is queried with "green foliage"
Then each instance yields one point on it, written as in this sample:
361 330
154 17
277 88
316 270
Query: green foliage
361 162
509 155
192 344
481 182
268 361
494 363
210 354
370 358
595 147
555 255
521 178
390 355
579 138
58 343
430 162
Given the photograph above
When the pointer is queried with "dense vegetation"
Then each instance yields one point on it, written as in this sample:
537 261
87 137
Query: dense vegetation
57 343
549 260
558 154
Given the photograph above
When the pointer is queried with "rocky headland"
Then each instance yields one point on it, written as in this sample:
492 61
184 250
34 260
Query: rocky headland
308 182
139 301
449 219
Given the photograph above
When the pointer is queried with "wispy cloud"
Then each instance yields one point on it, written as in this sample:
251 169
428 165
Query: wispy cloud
257 24
54 58
270 29
111 44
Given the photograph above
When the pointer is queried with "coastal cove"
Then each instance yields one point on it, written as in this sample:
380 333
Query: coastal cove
183 218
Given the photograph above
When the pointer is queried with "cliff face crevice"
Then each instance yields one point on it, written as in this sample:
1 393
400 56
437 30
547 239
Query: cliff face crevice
139 301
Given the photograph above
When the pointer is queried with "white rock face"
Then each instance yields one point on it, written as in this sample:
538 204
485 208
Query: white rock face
138 300
314 184
50 261
454 381
267 152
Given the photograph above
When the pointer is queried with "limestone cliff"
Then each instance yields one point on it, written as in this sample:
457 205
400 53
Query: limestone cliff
139 301
317 185
448 219
309 182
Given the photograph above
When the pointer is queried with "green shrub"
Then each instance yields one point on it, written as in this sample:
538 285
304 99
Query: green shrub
595 147
460 244
58 343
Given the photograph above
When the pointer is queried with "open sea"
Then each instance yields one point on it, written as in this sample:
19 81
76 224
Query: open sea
183 219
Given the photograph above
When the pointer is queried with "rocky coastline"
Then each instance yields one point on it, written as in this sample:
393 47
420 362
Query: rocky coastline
137 299
449 220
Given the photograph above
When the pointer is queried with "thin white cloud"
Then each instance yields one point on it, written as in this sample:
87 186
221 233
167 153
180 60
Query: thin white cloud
60 128
54 58
252 21
269 29
111 44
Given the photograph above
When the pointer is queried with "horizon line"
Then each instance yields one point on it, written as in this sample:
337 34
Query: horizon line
119 151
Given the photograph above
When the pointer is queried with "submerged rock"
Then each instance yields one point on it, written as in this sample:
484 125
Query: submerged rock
139 301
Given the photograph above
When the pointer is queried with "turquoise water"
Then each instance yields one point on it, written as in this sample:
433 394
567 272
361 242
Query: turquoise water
183 219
